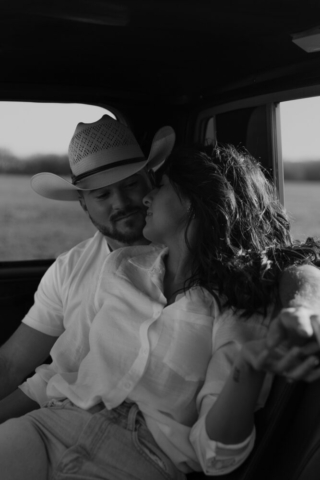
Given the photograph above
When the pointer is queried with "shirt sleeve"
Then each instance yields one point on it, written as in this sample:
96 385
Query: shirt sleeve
35 388
217 458
46 314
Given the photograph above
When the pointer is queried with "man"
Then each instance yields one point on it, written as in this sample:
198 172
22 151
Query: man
110 177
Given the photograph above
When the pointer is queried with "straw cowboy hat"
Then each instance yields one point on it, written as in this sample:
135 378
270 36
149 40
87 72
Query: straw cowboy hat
102 153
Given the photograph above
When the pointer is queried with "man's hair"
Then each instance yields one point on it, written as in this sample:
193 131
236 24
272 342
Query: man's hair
243 237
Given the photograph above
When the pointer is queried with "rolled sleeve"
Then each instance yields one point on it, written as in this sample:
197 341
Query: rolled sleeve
217 458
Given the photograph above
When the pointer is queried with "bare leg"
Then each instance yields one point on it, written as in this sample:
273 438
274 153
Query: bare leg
22 452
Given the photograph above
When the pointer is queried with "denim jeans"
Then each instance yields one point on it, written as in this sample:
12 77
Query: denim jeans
62 441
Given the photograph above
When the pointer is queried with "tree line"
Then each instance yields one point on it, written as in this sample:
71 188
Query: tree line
302 171
9 163
59 164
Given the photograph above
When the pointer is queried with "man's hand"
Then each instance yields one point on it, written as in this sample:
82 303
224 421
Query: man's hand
296 330
295 362
293 344
293 326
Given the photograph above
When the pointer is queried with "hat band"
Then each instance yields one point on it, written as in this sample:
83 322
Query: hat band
103 168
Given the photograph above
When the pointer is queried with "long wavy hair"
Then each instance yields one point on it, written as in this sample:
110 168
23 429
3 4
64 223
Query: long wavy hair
243 239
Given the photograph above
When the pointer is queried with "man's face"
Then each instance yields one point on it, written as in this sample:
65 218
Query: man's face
117 210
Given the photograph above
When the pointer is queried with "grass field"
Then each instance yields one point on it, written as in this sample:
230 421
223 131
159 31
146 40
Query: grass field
33 227
302 201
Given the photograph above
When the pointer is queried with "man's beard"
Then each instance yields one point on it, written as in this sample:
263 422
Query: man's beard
113 232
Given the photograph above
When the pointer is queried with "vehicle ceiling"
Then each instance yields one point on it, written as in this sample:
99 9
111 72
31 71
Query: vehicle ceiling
174 52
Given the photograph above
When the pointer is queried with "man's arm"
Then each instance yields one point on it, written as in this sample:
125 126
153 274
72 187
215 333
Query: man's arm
299 295
25 350
15 405
295 332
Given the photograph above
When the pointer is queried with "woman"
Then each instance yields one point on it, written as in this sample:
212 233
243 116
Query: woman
170 382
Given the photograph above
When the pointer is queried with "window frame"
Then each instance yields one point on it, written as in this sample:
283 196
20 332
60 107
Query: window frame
199 118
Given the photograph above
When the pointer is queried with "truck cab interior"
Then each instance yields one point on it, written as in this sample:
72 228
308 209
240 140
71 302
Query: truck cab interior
214 71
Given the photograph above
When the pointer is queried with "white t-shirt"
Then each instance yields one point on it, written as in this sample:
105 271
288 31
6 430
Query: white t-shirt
61 309
171 360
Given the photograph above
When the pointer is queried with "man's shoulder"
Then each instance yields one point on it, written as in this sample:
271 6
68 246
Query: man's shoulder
83 251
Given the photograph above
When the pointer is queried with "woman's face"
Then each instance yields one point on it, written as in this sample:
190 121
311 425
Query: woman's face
166 215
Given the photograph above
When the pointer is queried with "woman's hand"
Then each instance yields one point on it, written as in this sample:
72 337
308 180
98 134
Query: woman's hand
293 362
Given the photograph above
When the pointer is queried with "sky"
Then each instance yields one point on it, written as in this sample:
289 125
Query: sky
300 129
31 128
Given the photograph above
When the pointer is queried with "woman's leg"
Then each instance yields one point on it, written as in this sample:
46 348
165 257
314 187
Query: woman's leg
65 442
116 445
22 451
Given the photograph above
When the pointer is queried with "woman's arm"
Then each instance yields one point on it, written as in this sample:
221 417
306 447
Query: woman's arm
224 434
231 419
15 405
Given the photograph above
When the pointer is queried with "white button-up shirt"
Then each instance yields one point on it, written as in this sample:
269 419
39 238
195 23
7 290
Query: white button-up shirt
172 360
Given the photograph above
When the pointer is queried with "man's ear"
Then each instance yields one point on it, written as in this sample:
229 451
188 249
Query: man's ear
83 203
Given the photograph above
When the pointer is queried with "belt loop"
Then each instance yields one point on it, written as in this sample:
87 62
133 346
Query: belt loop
132 415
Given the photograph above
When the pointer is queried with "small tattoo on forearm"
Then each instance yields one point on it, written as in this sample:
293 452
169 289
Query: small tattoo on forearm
236 374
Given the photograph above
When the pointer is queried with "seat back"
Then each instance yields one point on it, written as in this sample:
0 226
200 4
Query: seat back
18 283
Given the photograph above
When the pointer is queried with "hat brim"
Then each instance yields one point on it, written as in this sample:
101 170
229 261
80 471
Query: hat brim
161 147
53 186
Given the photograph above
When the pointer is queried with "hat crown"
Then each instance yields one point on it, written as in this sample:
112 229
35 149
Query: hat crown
98 142
101 154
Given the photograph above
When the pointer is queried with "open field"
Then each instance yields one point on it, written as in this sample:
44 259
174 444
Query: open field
33 227
302 201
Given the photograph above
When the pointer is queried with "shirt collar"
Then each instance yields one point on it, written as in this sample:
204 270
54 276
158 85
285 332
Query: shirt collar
151 258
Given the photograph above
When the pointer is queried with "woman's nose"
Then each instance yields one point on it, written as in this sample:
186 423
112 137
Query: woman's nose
147 200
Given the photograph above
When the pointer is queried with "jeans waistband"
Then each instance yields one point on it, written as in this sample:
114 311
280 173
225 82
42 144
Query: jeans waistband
126 414
97 408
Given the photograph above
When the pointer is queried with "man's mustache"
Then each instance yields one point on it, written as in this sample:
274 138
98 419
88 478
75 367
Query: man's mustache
123 213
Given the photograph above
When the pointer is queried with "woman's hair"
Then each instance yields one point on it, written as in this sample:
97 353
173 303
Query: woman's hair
243 237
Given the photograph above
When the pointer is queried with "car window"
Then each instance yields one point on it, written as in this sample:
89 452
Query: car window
300 120
245 127
283 136
35 138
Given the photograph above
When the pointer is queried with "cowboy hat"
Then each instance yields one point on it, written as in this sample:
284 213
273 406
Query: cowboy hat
102 153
